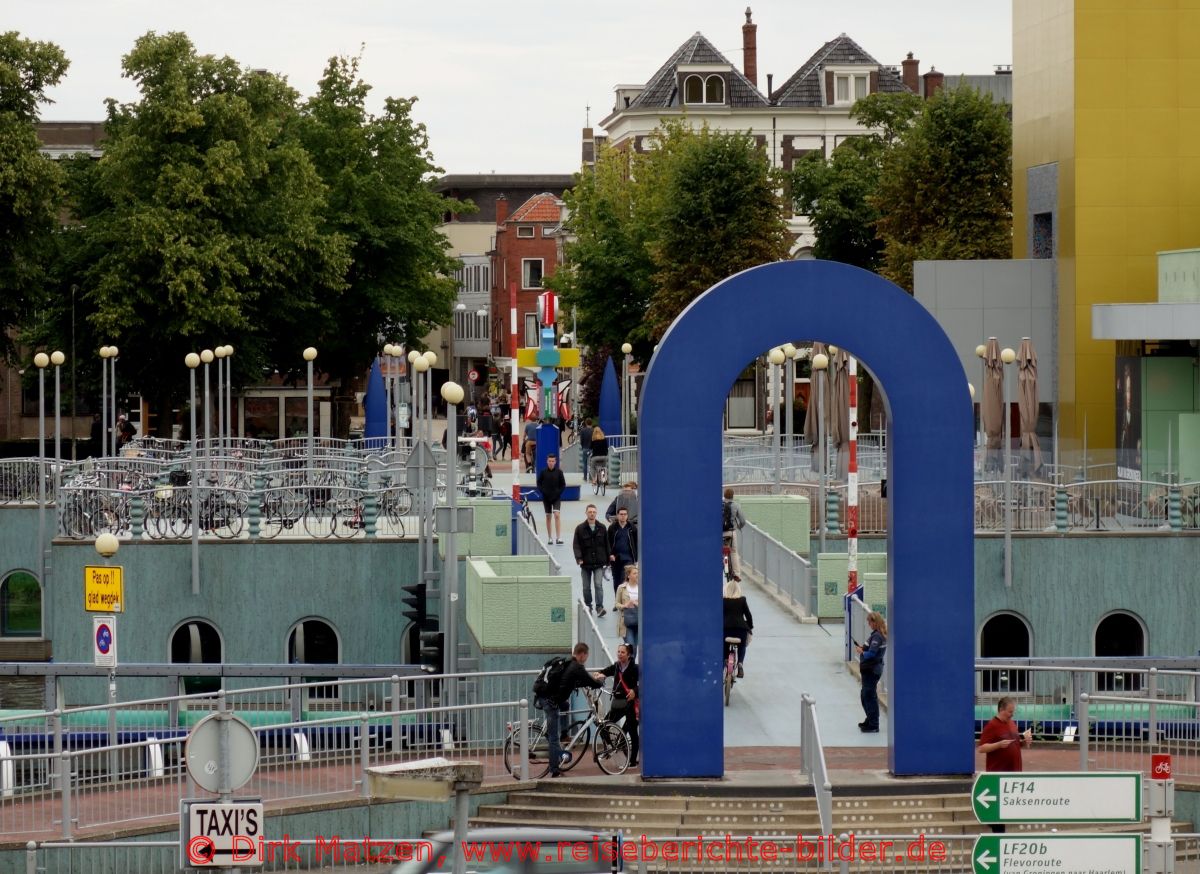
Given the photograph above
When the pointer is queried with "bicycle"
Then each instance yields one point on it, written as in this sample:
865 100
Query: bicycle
610 746
731 665
599 474
526 513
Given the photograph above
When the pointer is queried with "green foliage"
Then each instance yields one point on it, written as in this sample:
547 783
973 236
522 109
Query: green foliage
945 191
31 185
377 171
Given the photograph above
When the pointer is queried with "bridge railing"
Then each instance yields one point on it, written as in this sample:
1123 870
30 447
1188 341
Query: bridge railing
812 754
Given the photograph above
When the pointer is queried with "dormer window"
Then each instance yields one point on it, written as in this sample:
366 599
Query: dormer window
704 89
849 87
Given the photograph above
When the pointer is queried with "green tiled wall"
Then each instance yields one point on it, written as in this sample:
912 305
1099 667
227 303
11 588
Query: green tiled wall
513 601
492 534
784 517
831 580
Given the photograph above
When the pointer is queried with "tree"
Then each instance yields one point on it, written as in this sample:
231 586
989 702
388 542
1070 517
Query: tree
945 190
377 171
204 221
720 214
836 194
31 184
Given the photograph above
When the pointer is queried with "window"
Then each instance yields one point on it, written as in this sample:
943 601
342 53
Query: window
1120 635
714 90
524 231
848 88
547 230
1043 235
470 325
704 90
693 90
1005 635
473 278
197 642
531 272
20 606
532 340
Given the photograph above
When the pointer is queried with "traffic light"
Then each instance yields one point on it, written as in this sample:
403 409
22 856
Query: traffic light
414 603
432 651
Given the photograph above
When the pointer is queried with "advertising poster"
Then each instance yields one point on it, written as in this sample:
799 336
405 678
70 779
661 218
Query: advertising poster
1129 418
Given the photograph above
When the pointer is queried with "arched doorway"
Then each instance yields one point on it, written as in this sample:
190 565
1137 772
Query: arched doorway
20 605
930 498
1119 635
315 642
197 641
1005 636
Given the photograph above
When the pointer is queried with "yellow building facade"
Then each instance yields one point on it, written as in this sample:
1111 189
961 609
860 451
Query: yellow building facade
1106 168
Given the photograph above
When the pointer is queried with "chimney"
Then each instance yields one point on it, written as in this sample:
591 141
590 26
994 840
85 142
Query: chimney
933 82
750 49
770 89
911 74
501 209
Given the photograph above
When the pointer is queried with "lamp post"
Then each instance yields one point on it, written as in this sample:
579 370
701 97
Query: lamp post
820 362
389 352
1007 356
102 449
430 358
206 356
420 365
310 355
789 392
980 352
42 361
192 360
776 357
452 394
57 359
113 352
219 352
626 407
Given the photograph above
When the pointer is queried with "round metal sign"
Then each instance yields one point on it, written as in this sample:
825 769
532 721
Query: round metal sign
202 753
473 376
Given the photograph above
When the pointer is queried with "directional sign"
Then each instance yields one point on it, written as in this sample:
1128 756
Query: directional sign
104 641
1058 797
1062 854
103 589
216 834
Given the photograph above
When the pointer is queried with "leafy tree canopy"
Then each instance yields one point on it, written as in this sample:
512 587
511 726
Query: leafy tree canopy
31 184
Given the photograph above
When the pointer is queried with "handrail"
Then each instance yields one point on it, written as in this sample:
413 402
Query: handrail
812 755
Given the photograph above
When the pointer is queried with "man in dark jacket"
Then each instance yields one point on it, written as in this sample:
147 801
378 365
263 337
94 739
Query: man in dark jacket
555 701
591 554
551 483
622 546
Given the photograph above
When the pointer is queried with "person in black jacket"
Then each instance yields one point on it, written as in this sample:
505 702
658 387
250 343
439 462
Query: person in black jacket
624 672
622 546
870 667
554 702
590 545
551 483
738 621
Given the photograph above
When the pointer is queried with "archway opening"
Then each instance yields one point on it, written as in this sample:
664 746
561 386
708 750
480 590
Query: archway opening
1119 635
20 605
197 642
314 642
1005 636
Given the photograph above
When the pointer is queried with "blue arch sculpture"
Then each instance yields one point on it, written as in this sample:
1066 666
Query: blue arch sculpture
930 495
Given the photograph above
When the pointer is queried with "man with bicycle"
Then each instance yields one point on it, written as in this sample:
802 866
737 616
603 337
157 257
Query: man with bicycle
551 701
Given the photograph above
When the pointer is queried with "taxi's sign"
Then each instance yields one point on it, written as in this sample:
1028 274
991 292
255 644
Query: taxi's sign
103 589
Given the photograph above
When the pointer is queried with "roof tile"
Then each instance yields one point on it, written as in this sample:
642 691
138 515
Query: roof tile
543 207
662 90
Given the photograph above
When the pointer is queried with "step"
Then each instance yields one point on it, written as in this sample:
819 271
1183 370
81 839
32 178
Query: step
598 817
661 803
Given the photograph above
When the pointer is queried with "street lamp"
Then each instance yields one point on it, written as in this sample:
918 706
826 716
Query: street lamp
981 353
626 406
219 353
192 360
229 392
107 545
42 361
420 365
776 357
310 355
57 359
389 352
1007 356
113 352
207 357
452 394
789 392
431 361
820 362
100 451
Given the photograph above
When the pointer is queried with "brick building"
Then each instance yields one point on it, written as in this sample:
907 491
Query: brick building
526 253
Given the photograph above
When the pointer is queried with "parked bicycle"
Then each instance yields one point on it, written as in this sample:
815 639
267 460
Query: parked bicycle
609 744
526 513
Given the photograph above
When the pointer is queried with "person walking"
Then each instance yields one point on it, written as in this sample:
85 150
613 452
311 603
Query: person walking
628 600
590 545
504 447
737 619
551 483
870 669
1001 743
622 546
625 704
732 521
627 498
552 690
585 444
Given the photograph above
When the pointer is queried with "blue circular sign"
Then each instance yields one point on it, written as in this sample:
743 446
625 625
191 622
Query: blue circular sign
104 638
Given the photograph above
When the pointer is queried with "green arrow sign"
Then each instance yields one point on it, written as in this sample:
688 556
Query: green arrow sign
1057 797
1062 854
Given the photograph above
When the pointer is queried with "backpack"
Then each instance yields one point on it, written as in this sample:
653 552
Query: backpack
727 516
549 682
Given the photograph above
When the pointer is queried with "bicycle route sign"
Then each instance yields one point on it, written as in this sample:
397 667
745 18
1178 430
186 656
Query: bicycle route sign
1061 854
104 641
1057 797
103 589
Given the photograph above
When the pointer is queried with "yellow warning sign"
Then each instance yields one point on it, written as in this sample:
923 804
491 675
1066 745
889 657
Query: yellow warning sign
103 589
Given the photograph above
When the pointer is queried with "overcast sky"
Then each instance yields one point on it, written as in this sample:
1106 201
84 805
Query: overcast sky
502 86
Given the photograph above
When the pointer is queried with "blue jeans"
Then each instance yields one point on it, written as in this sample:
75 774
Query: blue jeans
870 697
742 635
631 631
593 578
553 728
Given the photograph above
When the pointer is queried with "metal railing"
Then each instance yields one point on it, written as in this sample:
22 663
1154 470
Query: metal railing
528 543
812 757
778 566
586 631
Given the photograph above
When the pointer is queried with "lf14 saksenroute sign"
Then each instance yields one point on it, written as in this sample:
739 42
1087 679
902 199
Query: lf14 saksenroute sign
1058 797
1061 854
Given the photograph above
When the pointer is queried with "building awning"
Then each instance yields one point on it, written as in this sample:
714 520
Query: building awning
1146 321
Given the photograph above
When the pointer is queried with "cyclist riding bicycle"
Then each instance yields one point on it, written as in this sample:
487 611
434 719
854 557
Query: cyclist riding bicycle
599 454
738 621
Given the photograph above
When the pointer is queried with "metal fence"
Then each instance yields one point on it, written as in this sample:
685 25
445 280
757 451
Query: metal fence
812 754
778 566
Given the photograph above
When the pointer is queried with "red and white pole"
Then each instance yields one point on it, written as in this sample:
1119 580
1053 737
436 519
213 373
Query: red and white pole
517 426
852 483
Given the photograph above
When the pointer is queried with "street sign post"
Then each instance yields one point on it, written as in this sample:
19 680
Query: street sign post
103 589
1057 797
1062 854
104 641
473 376
220 834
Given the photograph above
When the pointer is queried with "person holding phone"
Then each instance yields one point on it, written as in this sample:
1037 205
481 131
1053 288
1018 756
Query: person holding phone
870 669
1001 743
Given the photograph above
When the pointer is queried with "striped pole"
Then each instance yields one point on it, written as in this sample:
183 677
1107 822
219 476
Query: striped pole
517 426
852 483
